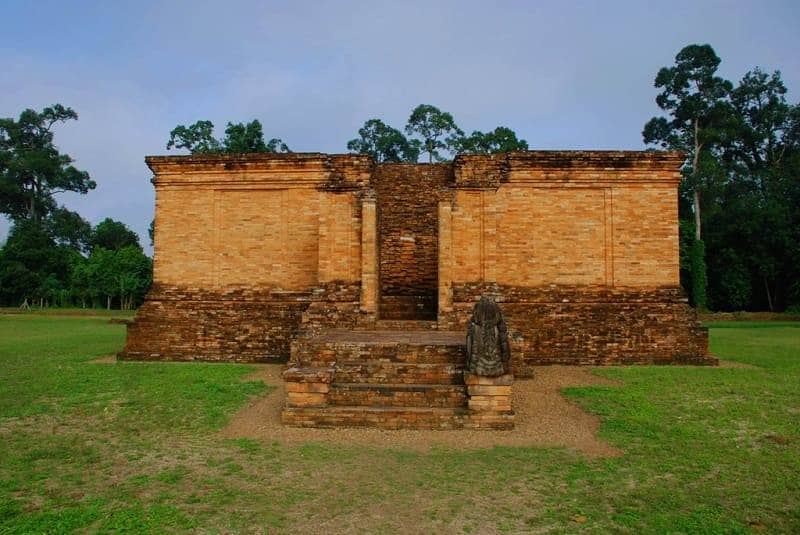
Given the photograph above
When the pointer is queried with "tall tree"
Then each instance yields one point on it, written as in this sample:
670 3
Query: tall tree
759 220
383 143
696 101
243 138
32 263
132 274
113 235
32 169
500 140
198 138
70 229
436 129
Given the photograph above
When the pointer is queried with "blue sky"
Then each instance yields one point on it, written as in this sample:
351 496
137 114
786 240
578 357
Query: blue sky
564 75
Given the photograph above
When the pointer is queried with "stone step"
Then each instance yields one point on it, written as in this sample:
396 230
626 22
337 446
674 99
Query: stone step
376 417
397 395
410 346
406 325
400 354
380 372
395 418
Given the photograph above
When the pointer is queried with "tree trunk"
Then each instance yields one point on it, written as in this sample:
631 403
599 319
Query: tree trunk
769 296
696 214
108 302
695 163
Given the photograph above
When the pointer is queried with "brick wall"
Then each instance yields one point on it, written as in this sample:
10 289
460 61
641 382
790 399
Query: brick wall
407 198
243 325
567 219
580 248
597 325
244 246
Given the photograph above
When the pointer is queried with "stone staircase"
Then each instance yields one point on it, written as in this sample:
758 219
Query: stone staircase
397 375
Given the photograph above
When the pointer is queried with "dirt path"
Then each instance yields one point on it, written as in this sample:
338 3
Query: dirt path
544 418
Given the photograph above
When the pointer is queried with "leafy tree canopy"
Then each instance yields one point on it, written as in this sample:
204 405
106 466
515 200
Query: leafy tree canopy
695 100
70 229
501 139
32 169
384 143
743 158
113 235
436 134
198 138
436 131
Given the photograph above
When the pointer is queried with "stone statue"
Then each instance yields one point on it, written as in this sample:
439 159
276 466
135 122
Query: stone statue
488 352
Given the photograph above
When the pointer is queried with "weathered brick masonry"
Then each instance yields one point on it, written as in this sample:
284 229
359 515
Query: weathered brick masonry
255 252
408 211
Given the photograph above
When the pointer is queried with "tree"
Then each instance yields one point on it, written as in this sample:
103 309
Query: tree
500 140
383 143
113 235
197 138
695 100
132 273
239 138
759 214
70 229
80 279
32 169
31 257
436 129
102 276
276 144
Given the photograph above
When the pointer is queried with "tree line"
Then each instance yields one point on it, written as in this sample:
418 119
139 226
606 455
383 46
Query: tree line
740 194
52 256
429 131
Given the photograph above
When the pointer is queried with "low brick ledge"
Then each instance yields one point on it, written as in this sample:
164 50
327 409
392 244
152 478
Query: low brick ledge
395 418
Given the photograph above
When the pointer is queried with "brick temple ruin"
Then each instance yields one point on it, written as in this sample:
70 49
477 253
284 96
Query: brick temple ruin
362 276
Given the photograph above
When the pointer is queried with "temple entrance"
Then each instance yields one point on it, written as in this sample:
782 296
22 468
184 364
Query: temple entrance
408 239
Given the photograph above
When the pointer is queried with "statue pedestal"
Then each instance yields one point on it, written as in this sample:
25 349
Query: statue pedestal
489 401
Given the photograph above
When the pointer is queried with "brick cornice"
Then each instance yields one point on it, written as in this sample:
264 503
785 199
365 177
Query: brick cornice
281 170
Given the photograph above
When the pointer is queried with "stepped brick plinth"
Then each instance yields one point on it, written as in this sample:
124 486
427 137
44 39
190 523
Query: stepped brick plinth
489 394
408 378
307 387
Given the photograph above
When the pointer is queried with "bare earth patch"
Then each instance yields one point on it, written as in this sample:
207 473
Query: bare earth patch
544 418
734 364
107 359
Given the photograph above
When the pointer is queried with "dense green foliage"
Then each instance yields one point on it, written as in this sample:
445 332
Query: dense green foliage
697 263
435 129
384 143
198 138
37 270
502 139
32 169
433 132
742 181
52 256
131 447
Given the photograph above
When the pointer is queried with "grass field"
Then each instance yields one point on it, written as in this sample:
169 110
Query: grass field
133 447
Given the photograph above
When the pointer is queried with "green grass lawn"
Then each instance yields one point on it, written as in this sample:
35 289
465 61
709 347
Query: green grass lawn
133 447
